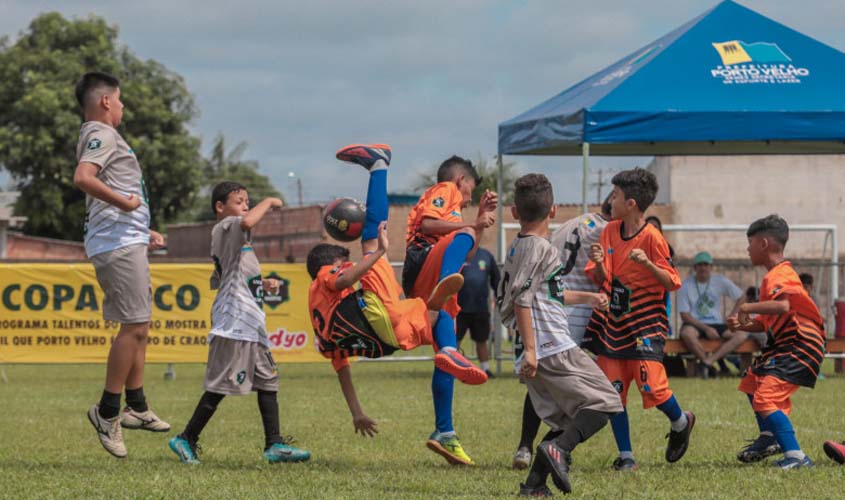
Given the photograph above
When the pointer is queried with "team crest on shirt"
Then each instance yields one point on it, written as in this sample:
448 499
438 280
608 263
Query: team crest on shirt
618 385
438 202
94 144
556 285
240 377
482 264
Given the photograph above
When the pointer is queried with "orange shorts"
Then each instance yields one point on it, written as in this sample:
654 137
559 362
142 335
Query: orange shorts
430 274
768 393
408 317
650 377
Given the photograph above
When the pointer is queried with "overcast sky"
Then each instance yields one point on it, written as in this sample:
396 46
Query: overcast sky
296 80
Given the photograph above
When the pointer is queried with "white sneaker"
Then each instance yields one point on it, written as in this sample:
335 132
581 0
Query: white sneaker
522 458
108 430
146 420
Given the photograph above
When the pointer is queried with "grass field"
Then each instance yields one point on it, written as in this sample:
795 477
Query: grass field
48 449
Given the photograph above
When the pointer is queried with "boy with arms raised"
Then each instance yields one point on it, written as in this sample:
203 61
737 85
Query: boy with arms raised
373 321
117 236
795 350
567 389
632 265
239 358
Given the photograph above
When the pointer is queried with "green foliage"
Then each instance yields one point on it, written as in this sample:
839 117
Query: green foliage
49 450
489 172
40 120
223 166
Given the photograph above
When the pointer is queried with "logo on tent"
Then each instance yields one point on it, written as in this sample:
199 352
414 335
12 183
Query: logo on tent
759 62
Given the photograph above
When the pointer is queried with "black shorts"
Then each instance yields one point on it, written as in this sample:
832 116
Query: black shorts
720 328
414 259
478 325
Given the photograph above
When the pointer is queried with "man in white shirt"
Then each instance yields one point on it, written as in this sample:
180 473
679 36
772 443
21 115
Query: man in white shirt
700 306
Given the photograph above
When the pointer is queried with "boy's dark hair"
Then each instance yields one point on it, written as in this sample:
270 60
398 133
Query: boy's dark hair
752 294
533 197
221 193
605 207
637 184
455 166
806 278
771 225
655 221
324 254
91 82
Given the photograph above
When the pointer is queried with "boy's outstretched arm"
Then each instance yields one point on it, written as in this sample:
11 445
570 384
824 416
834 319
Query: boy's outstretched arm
354 274
255 214
594 300
363 424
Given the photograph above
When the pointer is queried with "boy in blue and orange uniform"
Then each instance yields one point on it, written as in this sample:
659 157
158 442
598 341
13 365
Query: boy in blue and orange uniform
633 267
439 242
373 321
794 352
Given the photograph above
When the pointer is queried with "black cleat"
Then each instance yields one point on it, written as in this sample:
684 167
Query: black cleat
536 491
761 448
557 462
625 464
679 441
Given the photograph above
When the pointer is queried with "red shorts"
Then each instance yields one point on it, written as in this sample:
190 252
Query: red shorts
769 394
650 377
430 274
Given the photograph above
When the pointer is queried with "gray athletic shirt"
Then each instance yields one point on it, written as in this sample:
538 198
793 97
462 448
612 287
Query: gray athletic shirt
236 312
107 227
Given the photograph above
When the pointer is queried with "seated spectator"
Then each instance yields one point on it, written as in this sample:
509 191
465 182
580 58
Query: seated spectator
752 294
700 307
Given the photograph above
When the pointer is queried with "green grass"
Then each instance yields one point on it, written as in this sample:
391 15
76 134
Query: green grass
48 448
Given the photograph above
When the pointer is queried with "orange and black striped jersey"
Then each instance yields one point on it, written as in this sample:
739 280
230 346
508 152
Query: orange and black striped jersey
441 201
636 324
341 329
796 344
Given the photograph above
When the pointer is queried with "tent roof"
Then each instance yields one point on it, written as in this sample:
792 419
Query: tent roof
730 81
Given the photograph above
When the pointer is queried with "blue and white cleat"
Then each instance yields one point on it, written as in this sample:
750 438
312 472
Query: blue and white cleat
283 452
186 451
787 463
365 155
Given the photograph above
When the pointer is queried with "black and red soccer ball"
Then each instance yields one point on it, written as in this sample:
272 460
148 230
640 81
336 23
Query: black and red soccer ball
344 219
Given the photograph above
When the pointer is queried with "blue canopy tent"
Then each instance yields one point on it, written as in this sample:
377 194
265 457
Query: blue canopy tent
730 81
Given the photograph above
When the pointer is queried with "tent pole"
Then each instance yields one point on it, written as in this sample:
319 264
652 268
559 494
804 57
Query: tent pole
585 151
500 259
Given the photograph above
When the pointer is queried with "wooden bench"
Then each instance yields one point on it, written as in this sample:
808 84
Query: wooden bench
746 351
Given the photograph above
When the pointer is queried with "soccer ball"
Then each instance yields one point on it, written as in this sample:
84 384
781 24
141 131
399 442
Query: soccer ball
344 219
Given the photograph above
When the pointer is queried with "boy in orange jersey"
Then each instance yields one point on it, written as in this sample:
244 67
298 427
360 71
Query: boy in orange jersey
439 242
795 350
373 321
633 267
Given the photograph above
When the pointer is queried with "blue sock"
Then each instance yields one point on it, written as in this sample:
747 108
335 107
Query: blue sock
671 408
456 254
377 208
444 331
442 388
760 424
621 431
780 425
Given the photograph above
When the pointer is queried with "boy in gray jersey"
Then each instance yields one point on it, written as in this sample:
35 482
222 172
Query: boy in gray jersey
572 240
117 236
565 385
239 358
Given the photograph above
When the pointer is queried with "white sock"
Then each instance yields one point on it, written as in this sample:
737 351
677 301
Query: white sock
485 365
447 434
680 424
767 433
448 348
379 165
795 454
626 454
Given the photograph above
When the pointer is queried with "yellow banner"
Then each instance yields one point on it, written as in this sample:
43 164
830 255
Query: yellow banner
52 313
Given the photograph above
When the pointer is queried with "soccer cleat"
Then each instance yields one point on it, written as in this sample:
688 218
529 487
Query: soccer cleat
284 452
146 420
455 364
535 491
444 290
787 463
365 155
108 430
187 451
679 441
489 374
557 462
522 458
836 451
449 447
761 448
625 464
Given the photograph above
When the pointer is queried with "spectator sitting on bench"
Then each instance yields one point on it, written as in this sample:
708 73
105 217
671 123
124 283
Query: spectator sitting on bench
700 307
752 294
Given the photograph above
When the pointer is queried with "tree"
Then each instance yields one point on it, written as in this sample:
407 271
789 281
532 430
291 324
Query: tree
489 172
40 119
223 166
